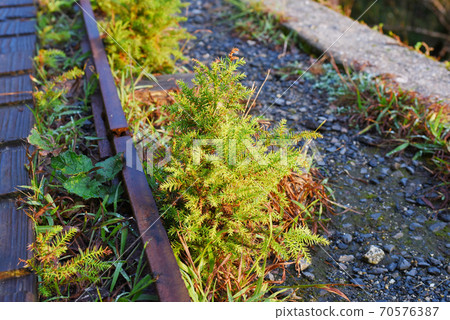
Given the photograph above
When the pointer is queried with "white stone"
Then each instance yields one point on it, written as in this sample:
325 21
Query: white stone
374 255
303 264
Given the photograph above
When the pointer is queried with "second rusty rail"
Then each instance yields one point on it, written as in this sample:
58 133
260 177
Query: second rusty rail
169 284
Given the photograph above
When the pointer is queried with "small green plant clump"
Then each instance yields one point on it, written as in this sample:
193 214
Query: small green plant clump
55 25
224 180
48 250
81 230
253 21
402 117
147 31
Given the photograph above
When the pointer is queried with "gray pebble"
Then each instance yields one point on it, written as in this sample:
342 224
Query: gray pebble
342 266
434 261
375 216
412 272
358 281
420 202
434 271
444 216
346 238
423 264
346 258
438 226
413 226
410 170
373 163
421 218
308 275
303 264
398 174
403 181
269 276
403 264
391 267
398 235
341 245
378 270
388 248
336 127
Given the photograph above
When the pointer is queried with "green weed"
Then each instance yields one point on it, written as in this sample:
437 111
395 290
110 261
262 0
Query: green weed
149 32
71 199
253 21
231 206
403 118
49 248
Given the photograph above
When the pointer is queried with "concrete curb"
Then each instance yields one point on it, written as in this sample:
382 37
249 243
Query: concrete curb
352 42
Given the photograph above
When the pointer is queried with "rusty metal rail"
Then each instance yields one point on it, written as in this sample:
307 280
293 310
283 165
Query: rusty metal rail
107 105
114 113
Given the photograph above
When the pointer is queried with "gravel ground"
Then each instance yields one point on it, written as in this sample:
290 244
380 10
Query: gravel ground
391 246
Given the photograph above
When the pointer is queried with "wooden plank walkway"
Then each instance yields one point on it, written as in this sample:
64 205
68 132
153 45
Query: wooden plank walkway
16 62
18 12
17 27
17 45
15 3
15 89
15 123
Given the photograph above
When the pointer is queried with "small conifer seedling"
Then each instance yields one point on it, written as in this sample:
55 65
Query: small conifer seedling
225 171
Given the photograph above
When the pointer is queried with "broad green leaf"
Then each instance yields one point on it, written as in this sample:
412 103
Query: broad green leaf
35 139
109 191
71 163
83 186
109 168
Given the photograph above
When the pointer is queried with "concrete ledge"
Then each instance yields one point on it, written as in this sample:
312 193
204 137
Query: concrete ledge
320 27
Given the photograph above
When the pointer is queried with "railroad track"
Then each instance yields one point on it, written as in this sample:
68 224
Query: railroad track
111 125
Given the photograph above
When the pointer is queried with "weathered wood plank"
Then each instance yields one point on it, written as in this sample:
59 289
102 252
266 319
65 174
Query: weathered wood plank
16 233
17 27
15 3
12 169
18 290
15 89
17 12
18 44
15 62
15 123
16 230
